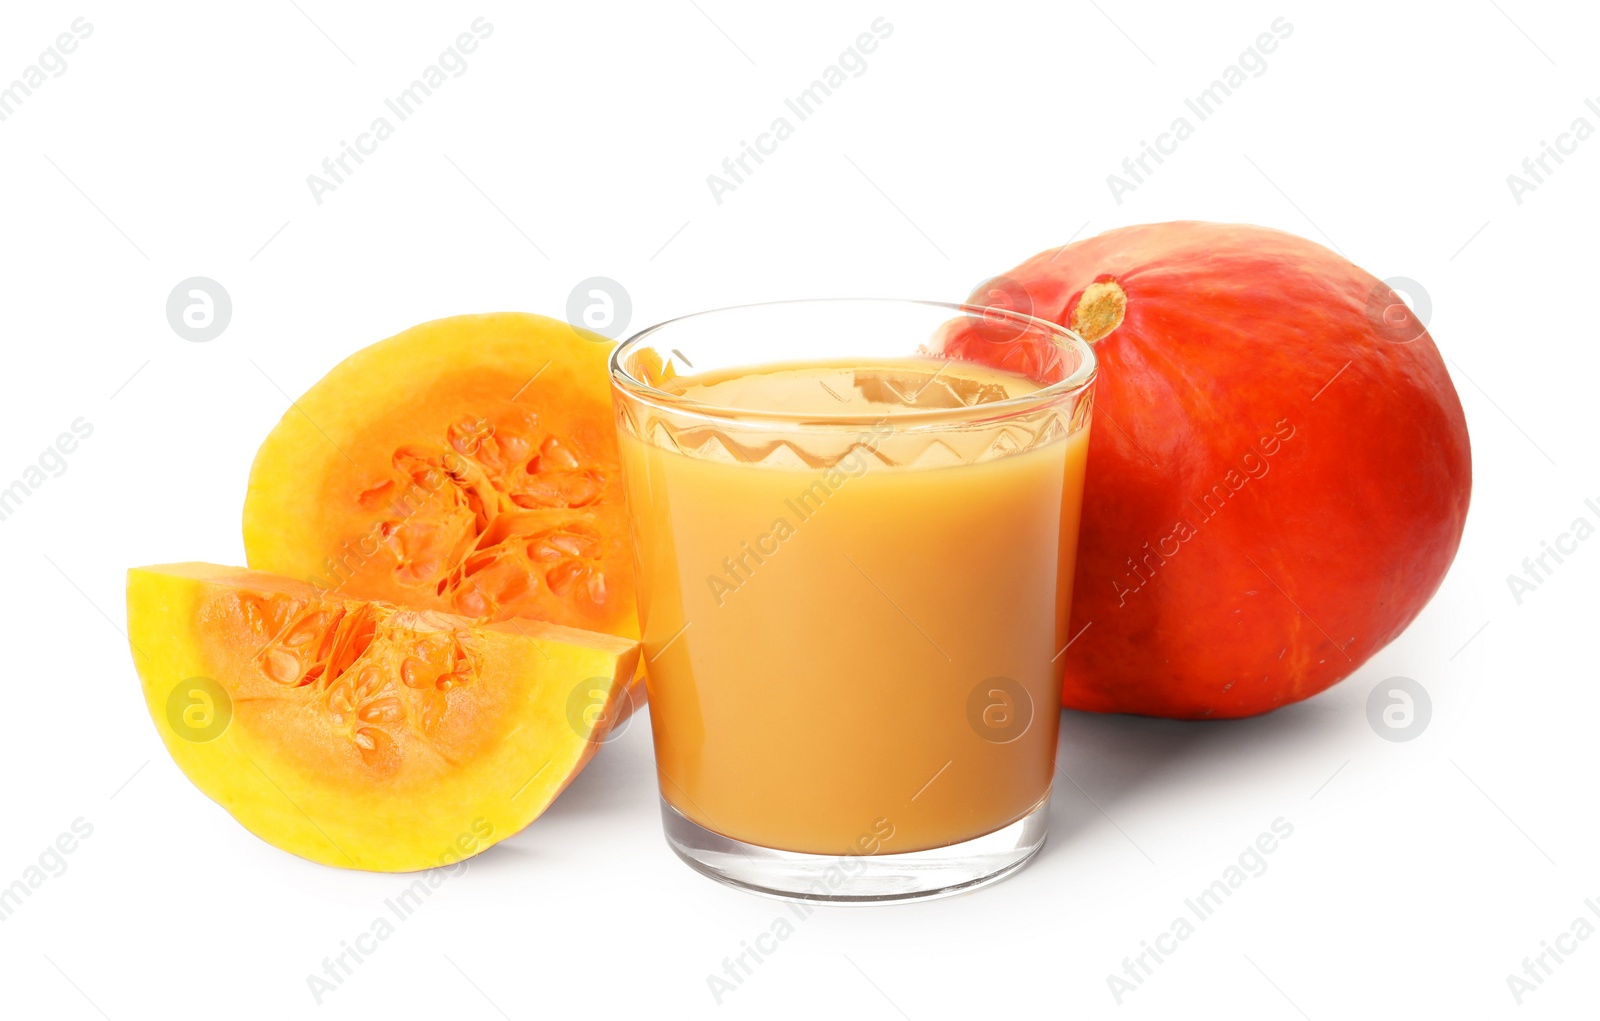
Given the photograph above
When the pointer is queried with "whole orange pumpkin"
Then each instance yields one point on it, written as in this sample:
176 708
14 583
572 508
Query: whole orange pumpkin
1279 468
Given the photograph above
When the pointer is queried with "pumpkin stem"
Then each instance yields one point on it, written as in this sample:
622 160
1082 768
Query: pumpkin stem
1100 310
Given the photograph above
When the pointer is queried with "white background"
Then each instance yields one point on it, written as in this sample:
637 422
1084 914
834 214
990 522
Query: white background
577 143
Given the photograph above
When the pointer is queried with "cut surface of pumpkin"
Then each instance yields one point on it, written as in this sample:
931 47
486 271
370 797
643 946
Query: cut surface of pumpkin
467 465
362 734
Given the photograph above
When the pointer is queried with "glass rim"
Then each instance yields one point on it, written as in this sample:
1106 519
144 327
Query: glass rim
1079 380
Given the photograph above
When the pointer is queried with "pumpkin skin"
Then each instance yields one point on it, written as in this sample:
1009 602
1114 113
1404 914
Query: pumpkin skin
1278 475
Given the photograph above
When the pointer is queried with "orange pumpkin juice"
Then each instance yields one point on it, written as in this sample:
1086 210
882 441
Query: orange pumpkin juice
855 654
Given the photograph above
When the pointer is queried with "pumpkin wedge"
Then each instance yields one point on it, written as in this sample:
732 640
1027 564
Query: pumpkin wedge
362 734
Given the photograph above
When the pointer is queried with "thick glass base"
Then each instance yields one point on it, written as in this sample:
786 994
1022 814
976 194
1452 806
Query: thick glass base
858 879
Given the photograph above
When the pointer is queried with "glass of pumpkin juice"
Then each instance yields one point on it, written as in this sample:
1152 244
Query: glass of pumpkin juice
854 525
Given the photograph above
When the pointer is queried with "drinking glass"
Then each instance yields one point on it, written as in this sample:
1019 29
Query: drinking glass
854 525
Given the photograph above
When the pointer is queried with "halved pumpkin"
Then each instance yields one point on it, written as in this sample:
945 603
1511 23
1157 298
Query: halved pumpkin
362 734
468 464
